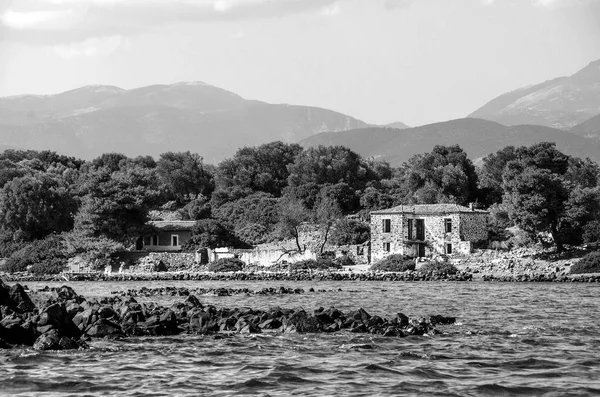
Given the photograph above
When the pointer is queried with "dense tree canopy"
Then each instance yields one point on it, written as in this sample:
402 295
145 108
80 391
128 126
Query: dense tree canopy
445 175
258 169
185 175
543 195
33 206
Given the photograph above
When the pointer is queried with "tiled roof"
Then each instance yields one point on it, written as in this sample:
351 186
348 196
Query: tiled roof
428 209
173 225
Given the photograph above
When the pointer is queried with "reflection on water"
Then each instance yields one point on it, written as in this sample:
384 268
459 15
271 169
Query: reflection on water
511 339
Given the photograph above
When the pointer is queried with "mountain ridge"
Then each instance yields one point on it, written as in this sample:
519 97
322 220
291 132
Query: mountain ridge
561 103
91 120
477 137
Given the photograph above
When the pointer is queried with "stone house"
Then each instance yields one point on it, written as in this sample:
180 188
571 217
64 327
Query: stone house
169 235
426 229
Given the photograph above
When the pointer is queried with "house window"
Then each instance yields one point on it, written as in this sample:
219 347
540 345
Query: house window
387 225
154 240
448 225
386 247
410 229
174 240
448 248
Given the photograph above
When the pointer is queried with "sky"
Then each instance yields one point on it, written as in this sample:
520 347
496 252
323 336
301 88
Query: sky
415 61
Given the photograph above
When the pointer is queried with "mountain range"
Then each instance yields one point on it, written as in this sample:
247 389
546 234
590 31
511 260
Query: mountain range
208 120
563 102
477 137
214 122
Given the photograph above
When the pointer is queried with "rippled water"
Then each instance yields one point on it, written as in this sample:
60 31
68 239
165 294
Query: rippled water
510 339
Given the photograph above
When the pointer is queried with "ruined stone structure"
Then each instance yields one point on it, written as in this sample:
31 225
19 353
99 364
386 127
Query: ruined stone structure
169 236
426 229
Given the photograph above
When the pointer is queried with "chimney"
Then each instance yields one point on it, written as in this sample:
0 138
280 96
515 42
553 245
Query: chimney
472 206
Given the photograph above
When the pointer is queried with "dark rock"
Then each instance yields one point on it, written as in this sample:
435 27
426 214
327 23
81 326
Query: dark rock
104 328
64 293
48 341
19 300
193 301
437 319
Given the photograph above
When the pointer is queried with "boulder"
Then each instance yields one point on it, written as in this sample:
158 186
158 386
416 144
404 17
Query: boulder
19 300
48 341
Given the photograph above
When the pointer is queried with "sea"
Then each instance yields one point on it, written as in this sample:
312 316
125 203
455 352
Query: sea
509 339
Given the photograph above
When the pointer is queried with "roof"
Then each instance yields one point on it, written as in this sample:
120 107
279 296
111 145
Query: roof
173 225
429 209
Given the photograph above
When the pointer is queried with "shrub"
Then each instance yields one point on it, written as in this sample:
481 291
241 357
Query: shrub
311 264
394 263
438 267
591 232
226 265
345 260
350 231
40 256
588 264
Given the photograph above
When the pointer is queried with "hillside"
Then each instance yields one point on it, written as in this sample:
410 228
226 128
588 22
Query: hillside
560 103
589 128
213 122
477 137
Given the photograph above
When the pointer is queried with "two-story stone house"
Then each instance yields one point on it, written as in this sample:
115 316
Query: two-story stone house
426 229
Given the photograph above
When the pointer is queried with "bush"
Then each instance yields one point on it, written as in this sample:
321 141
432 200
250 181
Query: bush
345 260
311 264
350 231
226 265
394 263
40 256
438 267
588 264
591 232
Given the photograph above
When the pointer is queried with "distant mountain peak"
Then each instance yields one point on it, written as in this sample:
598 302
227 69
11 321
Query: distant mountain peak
190 83
562 102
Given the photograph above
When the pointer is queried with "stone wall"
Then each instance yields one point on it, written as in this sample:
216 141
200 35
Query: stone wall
474 226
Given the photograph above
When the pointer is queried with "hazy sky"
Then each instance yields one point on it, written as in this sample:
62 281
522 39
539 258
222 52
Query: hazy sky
416 61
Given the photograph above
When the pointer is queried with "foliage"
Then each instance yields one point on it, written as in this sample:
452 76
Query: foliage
445 175
542 197
590 263
116 202
8 244
252 218
258 169
34 206
490 174
209 233
77 243
591 232
319 264
326 213
349 231
44 256
185 175
394 263
345 260
292 214
322 166
198 208
498 222
438 267
226 265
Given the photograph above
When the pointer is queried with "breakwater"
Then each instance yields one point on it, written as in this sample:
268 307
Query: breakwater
64 320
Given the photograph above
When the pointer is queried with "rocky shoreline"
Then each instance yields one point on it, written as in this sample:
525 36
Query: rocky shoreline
64 320
243 276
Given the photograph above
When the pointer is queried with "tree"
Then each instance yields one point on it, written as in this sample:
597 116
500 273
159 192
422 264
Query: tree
185 175
326 214
490 174
292 214
209 233
33 206
543 194
258 169
445 175
115 203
